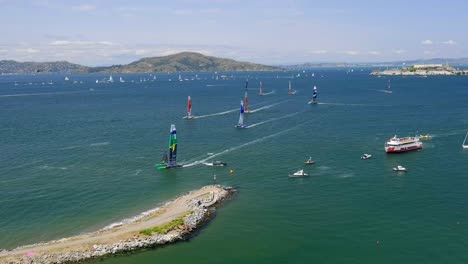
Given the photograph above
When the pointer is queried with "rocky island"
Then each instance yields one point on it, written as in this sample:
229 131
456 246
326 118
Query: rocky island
171 222
423 70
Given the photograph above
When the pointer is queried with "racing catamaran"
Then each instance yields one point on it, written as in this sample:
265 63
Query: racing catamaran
290 90
246 98
169 159
241 124
260 92
189 109
314 96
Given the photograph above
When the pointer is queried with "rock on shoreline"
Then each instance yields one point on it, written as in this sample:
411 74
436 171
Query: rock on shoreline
201 208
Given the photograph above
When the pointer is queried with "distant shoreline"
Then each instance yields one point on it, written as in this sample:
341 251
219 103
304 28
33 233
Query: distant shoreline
170 223
423 70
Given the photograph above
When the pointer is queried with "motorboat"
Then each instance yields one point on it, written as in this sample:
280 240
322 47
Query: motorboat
399 168
309 161
216 163
425 137
366 156
219 163
299 173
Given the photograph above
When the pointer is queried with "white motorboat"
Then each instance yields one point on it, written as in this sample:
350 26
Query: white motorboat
399 168
299 173
366 156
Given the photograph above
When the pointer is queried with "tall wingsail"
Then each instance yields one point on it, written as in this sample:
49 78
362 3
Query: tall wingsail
260 89
314 96
290 90
172 147
169 159
189 108
240 123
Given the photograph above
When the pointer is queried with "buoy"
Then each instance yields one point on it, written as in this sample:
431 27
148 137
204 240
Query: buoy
231 171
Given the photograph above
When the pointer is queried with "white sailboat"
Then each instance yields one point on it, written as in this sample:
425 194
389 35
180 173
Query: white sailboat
121 80
66 78
111 79
290 90
240 123
388 89
464 145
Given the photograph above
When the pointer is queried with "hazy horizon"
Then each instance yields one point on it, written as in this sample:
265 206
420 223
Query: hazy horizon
101 33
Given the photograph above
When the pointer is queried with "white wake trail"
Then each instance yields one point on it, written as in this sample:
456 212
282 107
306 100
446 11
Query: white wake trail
35 94
272 119
216 114
267 106
244 145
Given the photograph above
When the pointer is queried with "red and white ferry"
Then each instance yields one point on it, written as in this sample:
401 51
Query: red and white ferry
397 145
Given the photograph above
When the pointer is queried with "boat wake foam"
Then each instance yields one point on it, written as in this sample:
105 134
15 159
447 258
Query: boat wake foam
36 94
216 114
273 119
272 92
243 145
343 104
267 106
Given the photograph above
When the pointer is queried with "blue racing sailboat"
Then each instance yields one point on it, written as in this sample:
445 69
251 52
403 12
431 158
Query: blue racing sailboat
240 123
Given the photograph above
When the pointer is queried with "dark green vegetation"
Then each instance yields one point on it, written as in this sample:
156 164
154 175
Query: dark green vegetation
165 228
180 62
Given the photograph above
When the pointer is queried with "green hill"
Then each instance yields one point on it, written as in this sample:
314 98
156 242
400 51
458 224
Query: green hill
186 62
10 66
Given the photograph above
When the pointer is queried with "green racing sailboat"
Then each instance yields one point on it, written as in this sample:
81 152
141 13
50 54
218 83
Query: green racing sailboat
169 159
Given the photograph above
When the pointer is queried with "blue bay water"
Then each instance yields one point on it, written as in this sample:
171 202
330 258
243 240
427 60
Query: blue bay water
74 160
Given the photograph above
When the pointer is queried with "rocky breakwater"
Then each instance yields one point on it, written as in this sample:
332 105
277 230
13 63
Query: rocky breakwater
174 221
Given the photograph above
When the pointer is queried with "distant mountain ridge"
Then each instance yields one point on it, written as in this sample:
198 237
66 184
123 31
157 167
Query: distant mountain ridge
180 62
11 66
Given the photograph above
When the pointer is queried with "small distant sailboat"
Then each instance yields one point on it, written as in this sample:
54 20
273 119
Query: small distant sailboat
260 92
189 109
241 124
313 74
121 80
97 81
66 78
111 80
314 96
16 84
290 90
464 145
170 158
388 88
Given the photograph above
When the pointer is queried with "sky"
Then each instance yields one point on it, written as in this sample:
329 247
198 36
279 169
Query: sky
106 32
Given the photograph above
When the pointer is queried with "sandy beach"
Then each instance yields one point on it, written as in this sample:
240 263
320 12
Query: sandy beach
193 208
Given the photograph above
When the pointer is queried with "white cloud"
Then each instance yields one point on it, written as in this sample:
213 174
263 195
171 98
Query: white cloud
318 51
84 8
205 11
79 43
28 50
426 42
399 51
449 42
351 52
375 52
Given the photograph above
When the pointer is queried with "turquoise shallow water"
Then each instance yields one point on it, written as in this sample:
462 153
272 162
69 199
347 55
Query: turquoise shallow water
74 160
